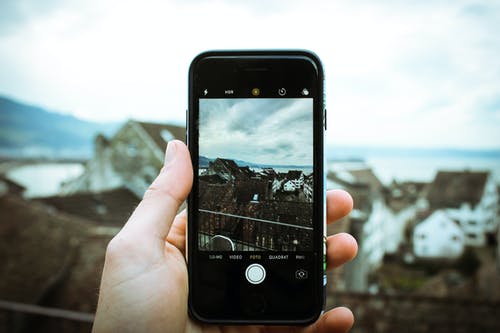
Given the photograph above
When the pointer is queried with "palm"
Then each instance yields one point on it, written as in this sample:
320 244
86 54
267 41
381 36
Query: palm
144 285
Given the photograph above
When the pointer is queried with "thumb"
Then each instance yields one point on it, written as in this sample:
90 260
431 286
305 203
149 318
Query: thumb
154 215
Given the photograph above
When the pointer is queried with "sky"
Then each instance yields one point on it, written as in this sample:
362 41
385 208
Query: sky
276 131
398 73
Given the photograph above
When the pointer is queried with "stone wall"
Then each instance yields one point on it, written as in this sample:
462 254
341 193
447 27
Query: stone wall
418 314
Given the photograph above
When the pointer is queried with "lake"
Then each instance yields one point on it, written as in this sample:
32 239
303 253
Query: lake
44 179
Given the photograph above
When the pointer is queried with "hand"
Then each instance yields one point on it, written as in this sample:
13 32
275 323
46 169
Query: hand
144 285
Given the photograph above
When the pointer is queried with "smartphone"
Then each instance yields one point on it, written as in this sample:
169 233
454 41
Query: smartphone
256 212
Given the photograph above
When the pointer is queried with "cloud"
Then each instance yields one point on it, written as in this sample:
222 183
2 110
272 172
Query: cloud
269 131
397 72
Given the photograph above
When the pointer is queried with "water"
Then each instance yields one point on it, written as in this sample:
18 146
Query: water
419 164
45 179
424 168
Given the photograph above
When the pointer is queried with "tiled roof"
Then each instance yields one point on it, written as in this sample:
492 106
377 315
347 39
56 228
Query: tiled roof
366 176
452 188
154 130
111 207
293 174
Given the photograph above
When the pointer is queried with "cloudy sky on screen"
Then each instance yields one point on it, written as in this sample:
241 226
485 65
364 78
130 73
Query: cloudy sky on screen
398 73
276 131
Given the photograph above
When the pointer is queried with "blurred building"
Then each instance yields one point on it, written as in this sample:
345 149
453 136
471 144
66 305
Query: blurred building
366 220
438 237
471 198
131 158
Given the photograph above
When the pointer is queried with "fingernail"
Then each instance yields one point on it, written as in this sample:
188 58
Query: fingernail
171 152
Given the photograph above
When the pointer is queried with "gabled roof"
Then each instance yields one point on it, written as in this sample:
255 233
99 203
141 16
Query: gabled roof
231 167
294 174
154 130
366 176
112 207
453 188
12 186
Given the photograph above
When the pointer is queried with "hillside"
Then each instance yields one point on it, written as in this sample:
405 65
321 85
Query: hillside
31 131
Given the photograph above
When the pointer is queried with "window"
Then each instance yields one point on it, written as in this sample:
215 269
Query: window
132 149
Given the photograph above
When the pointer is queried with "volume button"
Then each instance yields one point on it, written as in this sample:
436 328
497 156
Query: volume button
324 118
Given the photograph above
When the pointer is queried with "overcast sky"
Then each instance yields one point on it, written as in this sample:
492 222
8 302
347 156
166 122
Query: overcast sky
399 73
276 131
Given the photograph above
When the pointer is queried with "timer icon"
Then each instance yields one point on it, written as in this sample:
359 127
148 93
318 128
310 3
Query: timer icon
282 91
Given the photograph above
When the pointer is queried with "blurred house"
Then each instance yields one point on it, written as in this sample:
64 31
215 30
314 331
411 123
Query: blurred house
404 200
131 158
367 220
471 198
10 187
438 237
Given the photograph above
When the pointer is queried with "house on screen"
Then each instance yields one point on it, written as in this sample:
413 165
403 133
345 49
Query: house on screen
131 158
438 237
469 197
296 178
229 170
308 187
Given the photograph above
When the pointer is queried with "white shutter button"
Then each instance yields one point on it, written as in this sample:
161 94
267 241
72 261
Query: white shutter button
255 273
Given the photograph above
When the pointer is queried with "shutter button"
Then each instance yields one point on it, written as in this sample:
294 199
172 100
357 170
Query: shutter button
255 273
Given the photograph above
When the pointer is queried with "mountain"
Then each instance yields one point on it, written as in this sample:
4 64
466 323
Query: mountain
31 131
204 161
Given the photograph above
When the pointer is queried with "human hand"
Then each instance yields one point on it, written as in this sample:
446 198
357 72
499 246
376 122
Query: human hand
144 285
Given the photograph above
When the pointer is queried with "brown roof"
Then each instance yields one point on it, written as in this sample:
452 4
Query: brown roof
154 131
111 207
231 167
12 186
452 188
293 174
366 176
48 258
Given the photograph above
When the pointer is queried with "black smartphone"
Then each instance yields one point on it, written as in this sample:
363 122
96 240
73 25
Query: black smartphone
256 212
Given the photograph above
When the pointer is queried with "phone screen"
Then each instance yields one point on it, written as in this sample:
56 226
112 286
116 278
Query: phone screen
256 211
255 174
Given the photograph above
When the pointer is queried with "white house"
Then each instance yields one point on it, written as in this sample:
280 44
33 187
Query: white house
289 186
471 198
437 237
